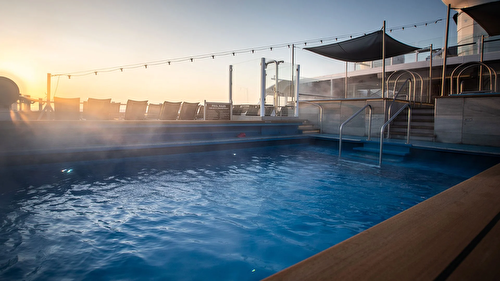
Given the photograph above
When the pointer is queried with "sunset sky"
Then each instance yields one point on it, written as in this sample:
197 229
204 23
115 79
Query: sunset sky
78 37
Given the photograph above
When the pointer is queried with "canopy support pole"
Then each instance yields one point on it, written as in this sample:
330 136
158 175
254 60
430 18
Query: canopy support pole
383 61
346 86
292 91
429 91
48 108
445 52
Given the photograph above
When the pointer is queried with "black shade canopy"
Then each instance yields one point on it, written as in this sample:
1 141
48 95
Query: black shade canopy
487 16
364 48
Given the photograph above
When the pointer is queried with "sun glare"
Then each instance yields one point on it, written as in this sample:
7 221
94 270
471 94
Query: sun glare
24 76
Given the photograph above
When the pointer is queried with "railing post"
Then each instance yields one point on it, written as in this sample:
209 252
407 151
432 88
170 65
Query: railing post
408 126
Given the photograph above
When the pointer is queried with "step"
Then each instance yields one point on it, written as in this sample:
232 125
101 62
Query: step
413 123
413 130
397 127
415 118
397 148
387 151
371 158
415 136
309 128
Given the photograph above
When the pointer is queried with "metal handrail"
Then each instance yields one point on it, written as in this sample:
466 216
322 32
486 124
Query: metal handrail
349 119
320 117
388 122
394 99
466 65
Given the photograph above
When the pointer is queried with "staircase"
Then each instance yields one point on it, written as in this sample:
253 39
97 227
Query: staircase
308 127
422 124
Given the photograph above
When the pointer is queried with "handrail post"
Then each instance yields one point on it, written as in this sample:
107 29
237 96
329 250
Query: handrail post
408 126
370 109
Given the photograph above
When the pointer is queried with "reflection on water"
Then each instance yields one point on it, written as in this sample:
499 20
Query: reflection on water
229 215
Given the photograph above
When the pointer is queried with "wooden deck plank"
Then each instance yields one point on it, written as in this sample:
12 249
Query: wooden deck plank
418 243
483 262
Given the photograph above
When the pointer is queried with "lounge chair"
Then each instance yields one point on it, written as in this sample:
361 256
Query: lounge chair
253 110
114 110
286 110
269 111
170 110
154 111
136 110
200 114
237 109
188 111
96 109
67 108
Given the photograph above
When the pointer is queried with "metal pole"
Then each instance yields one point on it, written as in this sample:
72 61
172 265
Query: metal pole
481 67
262 86
297 82
445 52
331 88
429 93
230 92
276 98
49 78
346 83
383 61
292 92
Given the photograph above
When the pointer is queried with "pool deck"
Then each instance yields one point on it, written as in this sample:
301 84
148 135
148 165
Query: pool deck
451 236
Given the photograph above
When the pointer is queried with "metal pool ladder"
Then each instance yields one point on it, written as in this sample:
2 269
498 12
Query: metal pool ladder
387 123
350 118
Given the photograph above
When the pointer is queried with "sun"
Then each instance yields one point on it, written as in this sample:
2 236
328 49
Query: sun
25 76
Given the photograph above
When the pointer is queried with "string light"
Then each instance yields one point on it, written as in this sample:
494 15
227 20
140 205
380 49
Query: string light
250 50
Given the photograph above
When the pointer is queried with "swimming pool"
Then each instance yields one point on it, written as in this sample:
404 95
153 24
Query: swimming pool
228 215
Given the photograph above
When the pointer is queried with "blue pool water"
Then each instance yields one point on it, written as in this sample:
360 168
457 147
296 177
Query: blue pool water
227 215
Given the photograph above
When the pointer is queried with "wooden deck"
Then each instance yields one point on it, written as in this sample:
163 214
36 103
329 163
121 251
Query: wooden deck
451 236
